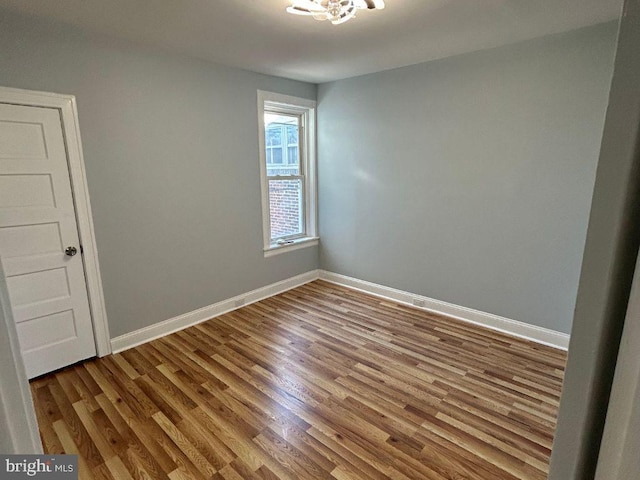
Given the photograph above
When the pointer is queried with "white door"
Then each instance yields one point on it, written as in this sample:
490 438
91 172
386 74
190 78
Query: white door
47 286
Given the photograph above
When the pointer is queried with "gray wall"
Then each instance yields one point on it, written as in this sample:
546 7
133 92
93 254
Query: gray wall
171 151
469 179
466 179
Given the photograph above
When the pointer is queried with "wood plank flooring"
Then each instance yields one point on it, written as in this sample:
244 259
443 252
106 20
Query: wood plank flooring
320 382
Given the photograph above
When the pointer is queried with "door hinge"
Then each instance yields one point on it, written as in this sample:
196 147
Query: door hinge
81 250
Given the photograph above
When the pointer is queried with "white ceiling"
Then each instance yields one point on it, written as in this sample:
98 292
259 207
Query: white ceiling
259 35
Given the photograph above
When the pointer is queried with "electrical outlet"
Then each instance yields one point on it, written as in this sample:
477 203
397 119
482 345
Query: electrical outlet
418 302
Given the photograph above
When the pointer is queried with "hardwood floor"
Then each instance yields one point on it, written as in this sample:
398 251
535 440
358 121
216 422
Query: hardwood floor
319 382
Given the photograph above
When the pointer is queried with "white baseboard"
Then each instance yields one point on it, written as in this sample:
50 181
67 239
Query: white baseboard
157 330
488 320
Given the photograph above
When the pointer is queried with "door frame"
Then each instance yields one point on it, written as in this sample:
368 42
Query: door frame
17 415
66 106
618 454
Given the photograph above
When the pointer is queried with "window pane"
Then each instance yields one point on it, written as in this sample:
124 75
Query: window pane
274 135
282 130
274 155
285 208
292 157
292 135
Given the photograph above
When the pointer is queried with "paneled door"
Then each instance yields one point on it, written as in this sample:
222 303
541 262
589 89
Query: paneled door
39 241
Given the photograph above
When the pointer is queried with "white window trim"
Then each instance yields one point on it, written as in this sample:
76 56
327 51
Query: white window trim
307 108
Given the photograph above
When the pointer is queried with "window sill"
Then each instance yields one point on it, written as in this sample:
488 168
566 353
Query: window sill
289 247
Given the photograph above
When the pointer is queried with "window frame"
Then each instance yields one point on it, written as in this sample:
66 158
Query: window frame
306 109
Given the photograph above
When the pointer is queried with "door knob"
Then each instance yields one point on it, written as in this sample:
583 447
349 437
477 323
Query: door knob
71 251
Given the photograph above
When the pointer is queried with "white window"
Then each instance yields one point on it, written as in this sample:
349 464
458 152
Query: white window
288 171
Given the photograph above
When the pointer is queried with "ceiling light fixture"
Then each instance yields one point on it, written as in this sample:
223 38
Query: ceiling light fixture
337 11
